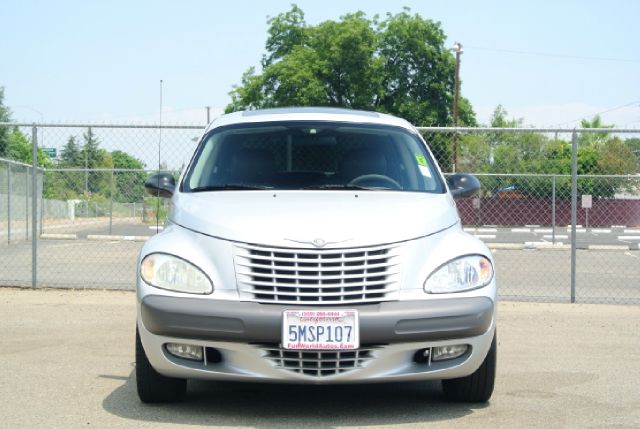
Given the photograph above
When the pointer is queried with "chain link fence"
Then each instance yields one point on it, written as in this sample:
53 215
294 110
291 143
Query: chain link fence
559 209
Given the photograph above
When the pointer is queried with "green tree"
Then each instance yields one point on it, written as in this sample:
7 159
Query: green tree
475 154
593 138
500 119
68 184
95 158
70 155
19 148
129 184
398 65
5 116
418 72
634 145
286 31
616 157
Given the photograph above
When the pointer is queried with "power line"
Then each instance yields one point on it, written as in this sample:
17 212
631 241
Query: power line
545 54
602 112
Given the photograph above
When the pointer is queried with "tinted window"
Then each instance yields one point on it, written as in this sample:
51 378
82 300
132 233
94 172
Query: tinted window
320 155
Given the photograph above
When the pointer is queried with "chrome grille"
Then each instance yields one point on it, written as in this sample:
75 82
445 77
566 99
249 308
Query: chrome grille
317 276
319 363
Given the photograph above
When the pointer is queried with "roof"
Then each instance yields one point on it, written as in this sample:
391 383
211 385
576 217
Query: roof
308 114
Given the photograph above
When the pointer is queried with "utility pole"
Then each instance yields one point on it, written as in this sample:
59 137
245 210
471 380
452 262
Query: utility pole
457 48
86 163
208 112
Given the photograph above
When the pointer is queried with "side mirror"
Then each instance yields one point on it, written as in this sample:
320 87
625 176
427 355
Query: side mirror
463 185
160 185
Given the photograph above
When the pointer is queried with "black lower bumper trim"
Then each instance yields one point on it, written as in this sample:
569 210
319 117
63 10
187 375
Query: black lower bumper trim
387 322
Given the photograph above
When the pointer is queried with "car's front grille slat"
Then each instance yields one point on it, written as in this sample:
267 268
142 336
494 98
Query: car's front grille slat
317 276
322 266
319 363
365 284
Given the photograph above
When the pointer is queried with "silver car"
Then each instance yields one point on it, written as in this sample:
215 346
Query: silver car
316 246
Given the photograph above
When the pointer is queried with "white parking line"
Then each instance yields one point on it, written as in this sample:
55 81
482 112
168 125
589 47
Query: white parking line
542 230
628 237
558 237
631 231
532 226
59 236
98 237
578 230
484 236
469 229
607 247
520 229
545 245
487 230
601 231
506 246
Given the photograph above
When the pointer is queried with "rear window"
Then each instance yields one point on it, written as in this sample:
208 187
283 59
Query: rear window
312 155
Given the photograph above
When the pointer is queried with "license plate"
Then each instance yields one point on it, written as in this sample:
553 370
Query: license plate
320 330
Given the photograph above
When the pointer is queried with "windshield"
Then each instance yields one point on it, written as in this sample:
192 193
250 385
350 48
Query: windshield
312 155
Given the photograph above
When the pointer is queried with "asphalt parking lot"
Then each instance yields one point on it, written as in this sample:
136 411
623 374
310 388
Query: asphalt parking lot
67 361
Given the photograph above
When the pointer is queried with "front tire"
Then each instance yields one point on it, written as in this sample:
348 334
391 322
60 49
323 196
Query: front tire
152 386
478 386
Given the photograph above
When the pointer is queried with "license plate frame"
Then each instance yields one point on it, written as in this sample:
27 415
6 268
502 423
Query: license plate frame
327 329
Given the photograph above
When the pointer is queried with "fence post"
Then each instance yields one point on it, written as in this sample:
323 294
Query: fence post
8 203
26 203
574 210
86 169
553 209
42 205
111 205
34 208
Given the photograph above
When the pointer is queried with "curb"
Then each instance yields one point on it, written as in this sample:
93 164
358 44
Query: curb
117 237
59 236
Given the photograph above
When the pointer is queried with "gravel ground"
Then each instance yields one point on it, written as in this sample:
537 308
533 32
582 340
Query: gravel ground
67 361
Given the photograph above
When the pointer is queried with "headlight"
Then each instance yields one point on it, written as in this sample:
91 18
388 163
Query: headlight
461 274
172 273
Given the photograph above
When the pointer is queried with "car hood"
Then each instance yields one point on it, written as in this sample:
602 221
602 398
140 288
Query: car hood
297 218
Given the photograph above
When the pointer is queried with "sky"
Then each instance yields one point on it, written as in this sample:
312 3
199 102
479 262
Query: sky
549 62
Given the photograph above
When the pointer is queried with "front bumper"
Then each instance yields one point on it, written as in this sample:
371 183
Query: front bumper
245 335
387 322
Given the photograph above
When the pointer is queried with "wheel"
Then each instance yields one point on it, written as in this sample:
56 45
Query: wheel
152 386
375 181
476 387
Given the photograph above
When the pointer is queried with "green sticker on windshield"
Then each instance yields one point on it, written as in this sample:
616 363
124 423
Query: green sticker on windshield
421 160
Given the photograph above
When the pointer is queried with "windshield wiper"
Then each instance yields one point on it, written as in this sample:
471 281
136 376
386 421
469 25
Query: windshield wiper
341 187
230 187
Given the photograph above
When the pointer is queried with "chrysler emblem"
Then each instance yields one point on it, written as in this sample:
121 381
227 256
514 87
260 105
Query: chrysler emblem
317 242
